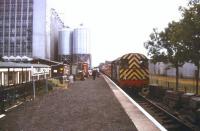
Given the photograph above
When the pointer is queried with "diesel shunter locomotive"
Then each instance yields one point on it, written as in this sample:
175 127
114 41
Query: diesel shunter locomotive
129 71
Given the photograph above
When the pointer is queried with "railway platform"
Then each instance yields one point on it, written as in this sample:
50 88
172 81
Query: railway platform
89 105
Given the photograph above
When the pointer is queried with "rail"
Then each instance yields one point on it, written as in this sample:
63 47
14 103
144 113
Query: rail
169 121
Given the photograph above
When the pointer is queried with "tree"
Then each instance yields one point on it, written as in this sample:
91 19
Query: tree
180 41
171 38
193 2
167 46
191 36
154 48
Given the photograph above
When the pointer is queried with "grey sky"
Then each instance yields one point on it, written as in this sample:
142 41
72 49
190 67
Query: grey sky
118 26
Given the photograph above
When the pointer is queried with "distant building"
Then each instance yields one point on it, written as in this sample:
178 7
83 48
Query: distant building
187 70
28 28
56 25
74 45
16 27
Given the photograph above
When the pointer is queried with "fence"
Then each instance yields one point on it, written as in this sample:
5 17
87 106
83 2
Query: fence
12 94
186 85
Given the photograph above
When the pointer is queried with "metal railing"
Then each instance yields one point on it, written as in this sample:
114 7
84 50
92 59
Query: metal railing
9 95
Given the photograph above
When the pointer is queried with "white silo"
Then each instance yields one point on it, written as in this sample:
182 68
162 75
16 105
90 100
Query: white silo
81 45
81 41
65 45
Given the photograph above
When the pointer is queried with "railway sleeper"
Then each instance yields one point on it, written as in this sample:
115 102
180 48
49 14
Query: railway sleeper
147 105
160 114
157 111
150 108
164 117
142 102
169 121
173 127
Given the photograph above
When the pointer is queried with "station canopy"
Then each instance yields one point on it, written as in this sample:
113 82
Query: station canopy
21 65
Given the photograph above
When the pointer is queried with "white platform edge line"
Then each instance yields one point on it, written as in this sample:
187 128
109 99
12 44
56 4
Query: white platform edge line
139 107
13 106
2 115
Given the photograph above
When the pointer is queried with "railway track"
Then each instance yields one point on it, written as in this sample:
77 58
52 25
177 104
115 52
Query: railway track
169 121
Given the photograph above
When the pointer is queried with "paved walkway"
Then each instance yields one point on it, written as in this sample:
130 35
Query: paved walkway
88 105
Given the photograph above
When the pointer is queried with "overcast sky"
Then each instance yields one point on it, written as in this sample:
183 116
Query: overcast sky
118 27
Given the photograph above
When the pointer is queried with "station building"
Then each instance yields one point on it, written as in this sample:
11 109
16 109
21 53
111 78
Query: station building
18 73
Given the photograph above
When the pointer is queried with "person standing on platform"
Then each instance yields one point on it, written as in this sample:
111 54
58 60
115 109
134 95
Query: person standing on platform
94 73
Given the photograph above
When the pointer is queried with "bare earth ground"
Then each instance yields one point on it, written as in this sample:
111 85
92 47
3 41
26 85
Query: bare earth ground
85 106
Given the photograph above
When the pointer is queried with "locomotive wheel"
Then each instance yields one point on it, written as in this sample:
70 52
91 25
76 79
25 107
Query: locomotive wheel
145 91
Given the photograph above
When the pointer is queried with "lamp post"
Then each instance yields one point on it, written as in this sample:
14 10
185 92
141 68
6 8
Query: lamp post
46 82
33 81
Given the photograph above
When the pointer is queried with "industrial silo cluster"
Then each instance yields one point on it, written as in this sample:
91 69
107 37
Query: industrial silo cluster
74 45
